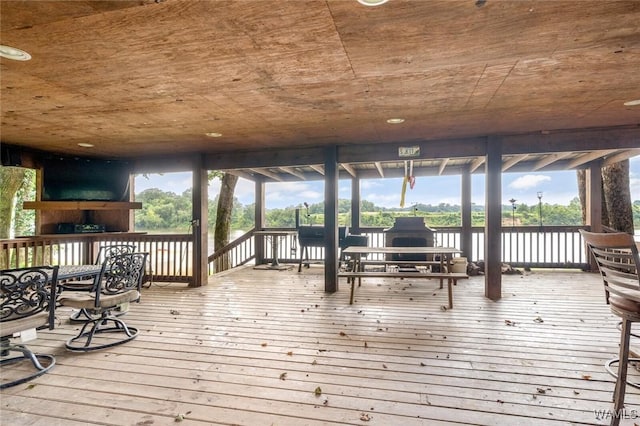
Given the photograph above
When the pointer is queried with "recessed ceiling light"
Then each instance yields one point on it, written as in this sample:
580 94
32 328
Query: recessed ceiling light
86 145
395 120
372 2
635 102
214 134
13 53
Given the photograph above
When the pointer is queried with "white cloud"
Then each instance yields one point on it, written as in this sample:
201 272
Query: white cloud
245 191
529 181
283 194
370 184
384 200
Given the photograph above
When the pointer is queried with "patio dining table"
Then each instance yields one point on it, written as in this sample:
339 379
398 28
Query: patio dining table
440 260
74 272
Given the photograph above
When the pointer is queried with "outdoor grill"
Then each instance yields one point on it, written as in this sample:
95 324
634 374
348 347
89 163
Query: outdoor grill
313 236
409 232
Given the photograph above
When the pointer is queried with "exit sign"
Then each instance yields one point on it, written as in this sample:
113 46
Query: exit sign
409 151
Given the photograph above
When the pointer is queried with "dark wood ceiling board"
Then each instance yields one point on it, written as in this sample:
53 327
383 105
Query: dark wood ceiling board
456 32
275 75
21 14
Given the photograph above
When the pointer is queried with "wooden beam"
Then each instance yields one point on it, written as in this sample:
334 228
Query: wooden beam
264 158
349 168
442 148
317 168
241 174
443 164
513 161
551 158
621 156
165 164
476 163
293 172
623 137
81 205
378 165
589 156
268 174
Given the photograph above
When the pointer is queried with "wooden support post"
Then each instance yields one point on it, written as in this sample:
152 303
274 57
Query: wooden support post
355 205
466 236
593 205
493 220
594 197
200 220
259 220
331 219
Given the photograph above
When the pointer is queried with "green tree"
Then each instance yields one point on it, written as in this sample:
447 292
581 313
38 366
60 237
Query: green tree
224 210
11 179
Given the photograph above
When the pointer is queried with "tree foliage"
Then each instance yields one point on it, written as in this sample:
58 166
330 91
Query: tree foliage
154 214
16 185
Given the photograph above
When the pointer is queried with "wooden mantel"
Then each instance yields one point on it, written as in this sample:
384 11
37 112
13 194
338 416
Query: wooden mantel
115 215
81 205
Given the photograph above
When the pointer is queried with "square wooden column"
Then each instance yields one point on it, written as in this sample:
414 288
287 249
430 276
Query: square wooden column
331 219
594 196
466 236
259 220
355 205
200 222
493 221
593 178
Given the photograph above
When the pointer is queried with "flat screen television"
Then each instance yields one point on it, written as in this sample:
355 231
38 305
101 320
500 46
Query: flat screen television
82 179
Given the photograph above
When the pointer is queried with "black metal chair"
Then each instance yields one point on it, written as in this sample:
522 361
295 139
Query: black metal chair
27 302
617 257
118 284
104 254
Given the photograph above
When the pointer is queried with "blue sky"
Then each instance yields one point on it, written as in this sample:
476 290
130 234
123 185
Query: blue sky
557 188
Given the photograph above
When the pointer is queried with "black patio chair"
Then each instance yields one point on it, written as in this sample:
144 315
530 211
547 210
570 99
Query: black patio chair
617 257
115 287
104 254
27 302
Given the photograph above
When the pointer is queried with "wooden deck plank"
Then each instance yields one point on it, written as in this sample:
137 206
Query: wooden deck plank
219 353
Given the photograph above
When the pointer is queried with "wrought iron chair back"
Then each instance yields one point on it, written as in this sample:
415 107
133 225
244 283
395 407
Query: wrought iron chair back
27 301
118 284
122 273
26 292
105 252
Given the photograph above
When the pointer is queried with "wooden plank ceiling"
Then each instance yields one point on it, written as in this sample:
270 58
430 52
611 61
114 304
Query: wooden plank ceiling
155 77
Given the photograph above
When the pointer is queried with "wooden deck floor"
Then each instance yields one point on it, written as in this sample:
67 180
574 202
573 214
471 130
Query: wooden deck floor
260 347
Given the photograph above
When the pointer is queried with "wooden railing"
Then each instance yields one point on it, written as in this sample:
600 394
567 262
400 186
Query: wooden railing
170 255
236 253
522 246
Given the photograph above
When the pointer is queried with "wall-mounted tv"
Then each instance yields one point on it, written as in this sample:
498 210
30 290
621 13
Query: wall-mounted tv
84 179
